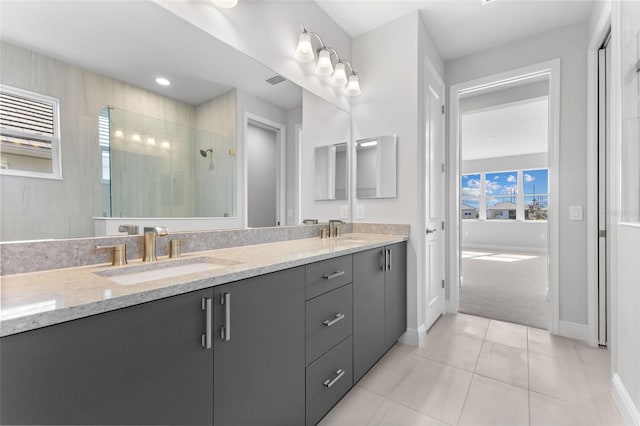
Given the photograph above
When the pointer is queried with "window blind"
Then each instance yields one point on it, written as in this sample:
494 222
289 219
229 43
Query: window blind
26 121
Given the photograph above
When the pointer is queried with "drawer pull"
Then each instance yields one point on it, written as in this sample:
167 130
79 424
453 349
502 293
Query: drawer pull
330 382
334 275
329 323
208 309
225 331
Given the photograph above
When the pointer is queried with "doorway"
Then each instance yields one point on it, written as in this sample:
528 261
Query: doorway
264 171
509 208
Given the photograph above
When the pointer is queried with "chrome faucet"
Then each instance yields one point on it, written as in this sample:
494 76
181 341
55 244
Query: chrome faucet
150 234
334 228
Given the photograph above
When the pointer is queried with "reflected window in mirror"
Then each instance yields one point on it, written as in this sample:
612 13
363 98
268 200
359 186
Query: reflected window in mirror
331 172
29 134
376 167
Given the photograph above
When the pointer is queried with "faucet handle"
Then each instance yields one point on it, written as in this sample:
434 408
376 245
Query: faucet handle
129 229
175 250
158 230
119 253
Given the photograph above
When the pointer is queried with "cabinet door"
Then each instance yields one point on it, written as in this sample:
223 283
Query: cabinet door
260 362
138 365
368 310
395 294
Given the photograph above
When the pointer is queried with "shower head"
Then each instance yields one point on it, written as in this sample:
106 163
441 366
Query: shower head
205 152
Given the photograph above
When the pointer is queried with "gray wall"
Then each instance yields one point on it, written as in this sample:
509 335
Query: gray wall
69 204
294 118
261 175
570 44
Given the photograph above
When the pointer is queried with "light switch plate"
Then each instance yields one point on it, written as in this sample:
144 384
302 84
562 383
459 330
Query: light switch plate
359 211
289 212
576 213
344 211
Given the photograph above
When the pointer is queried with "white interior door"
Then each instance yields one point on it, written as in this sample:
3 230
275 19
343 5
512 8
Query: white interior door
434 198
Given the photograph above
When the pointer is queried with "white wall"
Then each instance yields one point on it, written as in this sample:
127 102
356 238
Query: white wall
390 104
294 118
626 236
505 96
504 234
570 44
324 124
268 32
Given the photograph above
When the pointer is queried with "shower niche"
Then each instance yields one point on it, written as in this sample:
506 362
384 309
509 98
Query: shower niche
153 168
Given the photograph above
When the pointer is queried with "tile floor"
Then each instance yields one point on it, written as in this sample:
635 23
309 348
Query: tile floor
476 371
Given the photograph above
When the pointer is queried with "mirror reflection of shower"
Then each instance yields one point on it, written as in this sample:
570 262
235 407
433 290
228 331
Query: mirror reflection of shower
204 153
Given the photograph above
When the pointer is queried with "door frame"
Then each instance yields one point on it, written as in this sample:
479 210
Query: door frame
280 166
597 38
551 69
422 186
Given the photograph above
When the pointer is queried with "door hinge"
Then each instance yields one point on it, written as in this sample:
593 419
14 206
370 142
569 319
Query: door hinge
602 233
442 109
443 225
442 167
442 283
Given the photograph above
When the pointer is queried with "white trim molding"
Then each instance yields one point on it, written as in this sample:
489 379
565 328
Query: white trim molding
627 408
573 330
551 70
413 337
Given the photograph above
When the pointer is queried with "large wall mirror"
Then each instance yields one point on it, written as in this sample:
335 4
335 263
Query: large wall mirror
129 146
376 167
331 170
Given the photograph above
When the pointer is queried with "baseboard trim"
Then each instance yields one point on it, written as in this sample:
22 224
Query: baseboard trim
627 408
413 337
574 330
504 248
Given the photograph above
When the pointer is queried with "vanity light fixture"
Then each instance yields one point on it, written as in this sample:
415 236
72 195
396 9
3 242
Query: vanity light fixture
166 145
151 141
366 144
136 137
324 66
118 134
163 81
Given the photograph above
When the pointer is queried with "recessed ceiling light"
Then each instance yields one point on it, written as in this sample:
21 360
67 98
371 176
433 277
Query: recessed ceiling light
227 4
162 81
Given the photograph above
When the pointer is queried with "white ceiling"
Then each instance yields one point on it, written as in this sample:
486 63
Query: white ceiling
462 27
510 129
136 41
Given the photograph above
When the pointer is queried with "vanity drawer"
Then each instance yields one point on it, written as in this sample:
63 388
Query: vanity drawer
328 274
329 319
328 379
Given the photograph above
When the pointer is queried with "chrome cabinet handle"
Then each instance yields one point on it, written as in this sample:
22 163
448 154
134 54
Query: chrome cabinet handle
208 309
334 275
384 265
330 382
225 331
390 259
337 318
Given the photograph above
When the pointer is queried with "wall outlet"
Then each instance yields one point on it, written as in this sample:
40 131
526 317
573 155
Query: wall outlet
289 212
360 211
344 211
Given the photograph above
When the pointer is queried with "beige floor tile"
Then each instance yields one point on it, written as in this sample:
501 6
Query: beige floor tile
607 409
546 410
540 341
455 350
390 372
491 402
559 378
468 325
504 363
506 333
363 407
427 386
596 363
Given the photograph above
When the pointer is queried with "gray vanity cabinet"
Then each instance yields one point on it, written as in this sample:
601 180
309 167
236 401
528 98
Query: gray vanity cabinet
139 365
260 350
380 303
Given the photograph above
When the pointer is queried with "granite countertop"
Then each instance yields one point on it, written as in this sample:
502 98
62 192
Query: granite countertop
38 299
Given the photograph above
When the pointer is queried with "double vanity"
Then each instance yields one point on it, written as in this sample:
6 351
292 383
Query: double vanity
271 333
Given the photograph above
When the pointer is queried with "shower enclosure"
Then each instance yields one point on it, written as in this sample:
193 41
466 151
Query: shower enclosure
152 168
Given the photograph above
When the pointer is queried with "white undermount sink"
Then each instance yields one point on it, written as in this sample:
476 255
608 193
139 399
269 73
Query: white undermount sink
156 271
351 241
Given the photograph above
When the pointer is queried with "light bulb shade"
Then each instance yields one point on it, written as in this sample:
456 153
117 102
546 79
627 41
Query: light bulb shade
339 77
353 87
324 66
227 4
304 52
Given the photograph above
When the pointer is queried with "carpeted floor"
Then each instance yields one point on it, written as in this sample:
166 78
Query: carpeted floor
505 286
